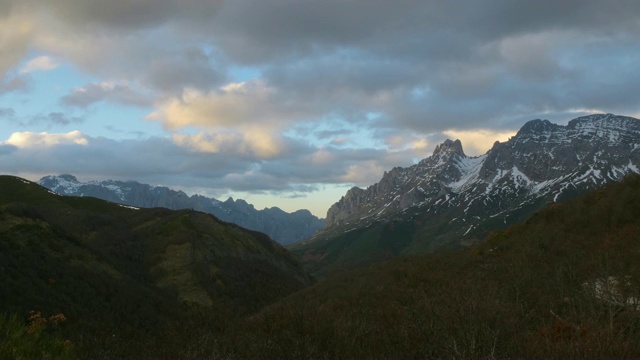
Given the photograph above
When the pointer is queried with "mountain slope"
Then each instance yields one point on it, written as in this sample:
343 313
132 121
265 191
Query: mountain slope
107 265
279 225
563 285
450 200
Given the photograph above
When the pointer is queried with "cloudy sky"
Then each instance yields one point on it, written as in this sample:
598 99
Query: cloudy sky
291 102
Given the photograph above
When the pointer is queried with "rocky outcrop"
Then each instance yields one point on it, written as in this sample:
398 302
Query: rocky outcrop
543 162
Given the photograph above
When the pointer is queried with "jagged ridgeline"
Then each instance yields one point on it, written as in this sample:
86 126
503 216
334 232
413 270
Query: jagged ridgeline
563 285
108 265
450 200
281 226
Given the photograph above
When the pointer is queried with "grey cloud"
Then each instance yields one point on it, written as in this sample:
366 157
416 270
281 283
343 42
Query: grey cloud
332 75
329 134
154 160
299 167
5 8
48 120
130 14
278 28
191 68
94 93
478 62
138 134
160 161
7 149
17 83
56 118
470 80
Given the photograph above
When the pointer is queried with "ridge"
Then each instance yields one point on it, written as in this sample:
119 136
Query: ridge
279 225
448 200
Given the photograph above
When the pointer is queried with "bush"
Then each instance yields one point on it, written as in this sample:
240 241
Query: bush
36 339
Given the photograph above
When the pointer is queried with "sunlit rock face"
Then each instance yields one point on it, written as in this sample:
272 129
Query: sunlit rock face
542 163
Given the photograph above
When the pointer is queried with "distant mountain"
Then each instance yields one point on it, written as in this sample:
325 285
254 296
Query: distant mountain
279 225
107 265
450 200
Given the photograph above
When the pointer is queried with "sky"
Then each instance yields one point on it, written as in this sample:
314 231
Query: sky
290 103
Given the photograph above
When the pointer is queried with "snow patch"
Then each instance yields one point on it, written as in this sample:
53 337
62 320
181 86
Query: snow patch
129 207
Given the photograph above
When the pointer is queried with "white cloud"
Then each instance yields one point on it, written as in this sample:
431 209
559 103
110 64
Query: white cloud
364 173
45 140
251 142
41 63
233 105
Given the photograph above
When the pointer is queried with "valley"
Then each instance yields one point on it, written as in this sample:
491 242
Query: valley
315 180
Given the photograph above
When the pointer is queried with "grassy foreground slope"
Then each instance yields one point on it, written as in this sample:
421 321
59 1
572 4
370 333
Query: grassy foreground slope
564 284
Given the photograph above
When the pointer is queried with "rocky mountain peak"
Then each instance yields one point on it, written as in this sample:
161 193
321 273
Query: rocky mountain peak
591 119
68 177
279 225
449 147
544 162
537 127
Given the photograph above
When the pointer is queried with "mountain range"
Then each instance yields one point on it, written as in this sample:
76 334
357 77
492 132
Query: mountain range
450 200
134 282
281 226
107 265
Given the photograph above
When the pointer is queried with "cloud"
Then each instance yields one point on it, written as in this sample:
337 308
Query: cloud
233 105
425 66
129 14
363 172
57 118
252 143
54 118
16 33
15 83
41 140
479 141
105 91
6 149
191 68
339 91
40 63
300 168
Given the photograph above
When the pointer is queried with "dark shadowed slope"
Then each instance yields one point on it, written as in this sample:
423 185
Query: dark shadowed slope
565 284
106 265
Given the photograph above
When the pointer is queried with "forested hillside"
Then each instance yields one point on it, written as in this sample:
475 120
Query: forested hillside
564 284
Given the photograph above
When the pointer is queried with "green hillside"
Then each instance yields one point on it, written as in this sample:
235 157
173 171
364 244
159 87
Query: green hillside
133 273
